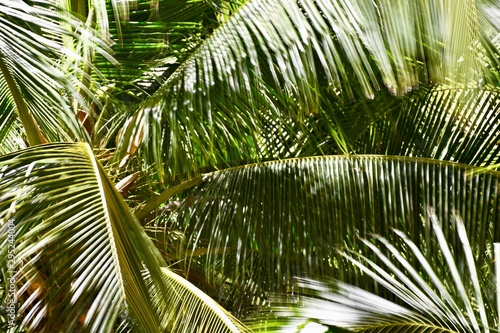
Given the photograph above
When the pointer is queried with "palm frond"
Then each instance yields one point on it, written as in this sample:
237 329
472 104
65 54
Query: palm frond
334 306
252 229
287 69
10 128
156 37
446 298
80 254
195 311
33 54
453 123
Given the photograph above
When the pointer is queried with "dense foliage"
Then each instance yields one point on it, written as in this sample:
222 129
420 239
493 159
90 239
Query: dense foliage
260 165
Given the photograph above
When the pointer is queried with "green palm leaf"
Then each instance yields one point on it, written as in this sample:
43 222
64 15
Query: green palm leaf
445 298
155 38
80 255
42 75
9 124
252 229
196 312
443 122
254 72
339 307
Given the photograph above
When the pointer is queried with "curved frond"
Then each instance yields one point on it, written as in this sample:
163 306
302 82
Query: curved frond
10 127
80 254
150 44
343 308
191 310
436 298
251 229
452 123
32 53
251 69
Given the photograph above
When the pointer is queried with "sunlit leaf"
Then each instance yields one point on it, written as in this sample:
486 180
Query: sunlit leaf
80 254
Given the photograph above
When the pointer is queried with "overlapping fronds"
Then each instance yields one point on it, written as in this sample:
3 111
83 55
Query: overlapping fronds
79 253
254 228
157 37
254 71
96 13
35 66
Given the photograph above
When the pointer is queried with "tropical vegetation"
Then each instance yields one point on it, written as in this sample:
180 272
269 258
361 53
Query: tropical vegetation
260 165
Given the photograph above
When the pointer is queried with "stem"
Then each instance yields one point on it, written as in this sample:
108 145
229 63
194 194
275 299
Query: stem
154 202
31 128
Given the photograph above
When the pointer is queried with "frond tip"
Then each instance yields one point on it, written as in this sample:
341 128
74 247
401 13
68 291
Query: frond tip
187 300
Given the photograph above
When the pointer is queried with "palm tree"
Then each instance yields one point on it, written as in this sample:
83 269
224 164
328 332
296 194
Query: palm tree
202 146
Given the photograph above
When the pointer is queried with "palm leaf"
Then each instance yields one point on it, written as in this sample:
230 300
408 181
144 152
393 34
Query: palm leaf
339 307
80 254
43 75
154 39
451 123
437 299
196 311
271 71
9 124
96 12
252 229
447 122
